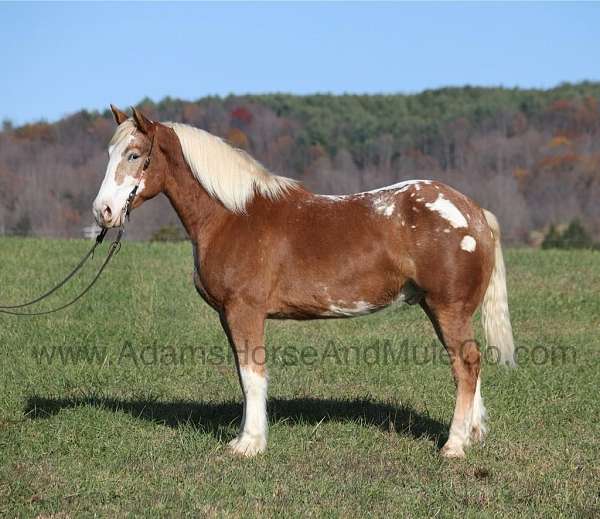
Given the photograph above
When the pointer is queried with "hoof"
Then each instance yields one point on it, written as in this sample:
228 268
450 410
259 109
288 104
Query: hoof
247 445
452 451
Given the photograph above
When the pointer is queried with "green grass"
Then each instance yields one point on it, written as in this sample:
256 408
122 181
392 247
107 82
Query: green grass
127 433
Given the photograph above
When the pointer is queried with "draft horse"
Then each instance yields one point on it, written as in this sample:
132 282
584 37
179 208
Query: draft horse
267 248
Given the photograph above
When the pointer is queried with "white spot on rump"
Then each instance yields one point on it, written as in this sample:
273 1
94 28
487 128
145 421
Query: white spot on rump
448 211
468 243
383 206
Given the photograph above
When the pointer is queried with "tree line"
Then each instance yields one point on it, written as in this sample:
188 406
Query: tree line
531 156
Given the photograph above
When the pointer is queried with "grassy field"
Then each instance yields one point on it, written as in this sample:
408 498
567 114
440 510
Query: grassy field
124 403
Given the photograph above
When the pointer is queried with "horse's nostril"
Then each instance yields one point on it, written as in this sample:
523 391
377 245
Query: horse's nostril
106 213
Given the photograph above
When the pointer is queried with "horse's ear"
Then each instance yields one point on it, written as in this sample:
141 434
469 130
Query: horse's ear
141 121
119 115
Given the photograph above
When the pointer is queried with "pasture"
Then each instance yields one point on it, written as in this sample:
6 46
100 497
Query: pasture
125 403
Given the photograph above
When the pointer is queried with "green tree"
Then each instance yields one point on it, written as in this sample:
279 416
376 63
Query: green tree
576 237
23 226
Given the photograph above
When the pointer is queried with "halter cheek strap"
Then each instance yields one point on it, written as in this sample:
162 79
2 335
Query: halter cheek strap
131 196
147 161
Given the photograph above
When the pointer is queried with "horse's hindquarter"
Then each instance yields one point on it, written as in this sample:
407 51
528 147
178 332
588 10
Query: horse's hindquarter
351 255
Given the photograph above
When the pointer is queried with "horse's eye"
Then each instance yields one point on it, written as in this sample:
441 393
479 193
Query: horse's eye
133 156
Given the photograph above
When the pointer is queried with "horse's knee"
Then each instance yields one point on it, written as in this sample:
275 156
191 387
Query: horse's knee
471 357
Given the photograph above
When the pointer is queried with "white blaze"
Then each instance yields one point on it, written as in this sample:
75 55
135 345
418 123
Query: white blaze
112 194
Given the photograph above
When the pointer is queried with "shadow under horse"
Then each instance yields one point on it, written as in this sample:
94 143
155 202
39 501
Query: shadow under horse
217 418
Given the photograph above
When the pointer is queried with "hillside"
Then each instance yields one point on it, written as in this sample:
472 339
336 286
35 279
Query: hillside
531 156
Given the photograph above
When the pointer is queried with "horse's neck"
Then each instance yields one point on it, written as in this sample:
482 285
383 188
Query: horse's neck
199 213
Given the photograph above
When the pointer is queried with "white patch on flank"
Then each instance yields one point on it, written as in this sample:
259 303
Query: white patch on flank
413 226
252 438
447 230
357 308
447 210
468 243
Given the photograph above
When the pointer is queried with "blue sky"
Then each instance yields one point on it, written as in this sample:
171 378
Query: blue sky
59 58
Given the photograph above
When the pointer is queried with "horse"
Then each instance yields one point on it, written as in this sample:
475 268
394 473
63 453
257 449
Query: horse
265 247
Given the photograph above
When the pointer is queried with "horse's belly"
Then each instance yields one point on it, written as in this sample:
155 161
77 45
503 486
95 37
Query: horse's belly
323 301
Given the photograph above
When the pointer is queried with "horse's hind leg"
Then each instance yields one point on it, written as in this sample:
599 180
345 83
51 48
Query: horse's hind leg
245 330
454 328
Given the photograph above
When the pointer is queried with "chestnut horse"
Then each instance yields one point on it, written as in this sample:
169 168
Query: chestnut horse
266 248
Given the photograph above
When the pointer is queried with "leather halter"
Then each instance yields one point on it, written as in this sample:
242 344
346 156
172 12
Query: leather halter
130 198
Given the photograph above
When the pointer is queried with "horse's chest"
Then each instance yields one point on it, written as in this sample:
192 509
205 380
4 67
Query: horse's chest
202 284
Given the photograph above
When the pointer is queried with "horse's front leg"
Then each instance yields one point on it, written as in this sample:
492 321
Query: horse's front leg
245 329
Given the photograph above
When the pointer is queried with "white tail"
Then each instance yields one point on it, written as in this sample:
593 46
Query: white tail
494 310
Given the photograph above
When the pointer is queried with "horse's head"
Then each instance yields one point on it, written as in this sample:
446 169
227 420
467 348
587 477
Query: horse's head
134 158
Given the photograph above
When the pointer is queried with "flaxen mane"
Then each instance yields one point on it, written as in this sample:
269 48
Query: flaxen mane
227 173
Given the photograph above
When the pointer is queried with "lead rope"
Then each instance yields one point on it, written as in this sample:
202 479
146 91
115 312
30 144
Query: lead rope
115 246
89 254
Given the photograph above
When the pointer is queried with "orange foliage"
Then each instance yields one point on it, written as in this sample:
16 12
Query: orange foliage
237 138
559 162
520 173
35 131
558 141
